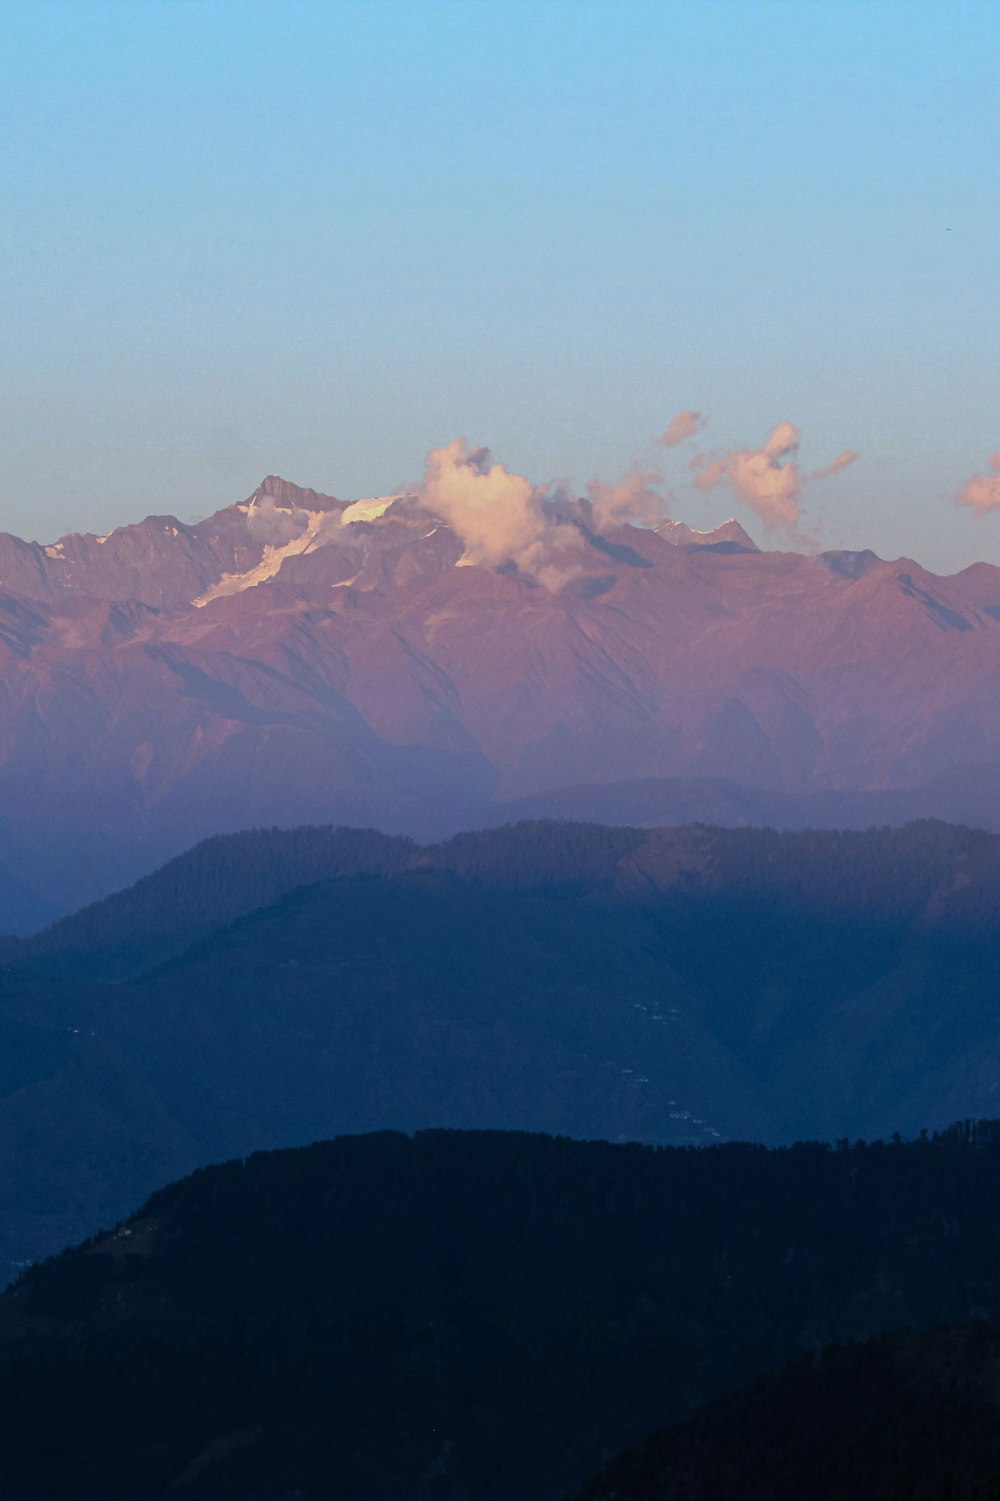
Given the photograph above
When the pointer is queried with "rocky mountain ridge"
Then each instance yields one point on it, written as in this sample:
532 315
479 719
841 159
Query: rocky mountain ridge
300 658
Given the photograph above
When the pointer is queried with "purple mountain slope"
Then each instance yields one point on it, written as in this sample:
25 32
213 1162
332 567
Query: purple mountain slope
300 658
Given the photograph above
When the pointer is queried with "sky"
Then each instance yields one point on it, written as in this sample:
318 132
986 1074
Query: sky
322 239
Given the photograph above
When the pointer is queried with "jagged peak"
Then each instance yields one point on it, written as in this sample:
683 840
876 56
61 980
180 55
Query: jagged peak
851 565
730 531
288 496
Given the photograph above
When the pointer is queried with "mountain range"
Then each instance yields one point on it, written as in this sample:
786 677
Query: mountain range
298 658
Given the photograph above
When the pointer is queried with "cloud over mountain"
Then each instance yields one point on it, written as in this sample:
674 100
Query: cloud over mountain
274 524
635 499
838 465
500 517
767 479
681 427
982 491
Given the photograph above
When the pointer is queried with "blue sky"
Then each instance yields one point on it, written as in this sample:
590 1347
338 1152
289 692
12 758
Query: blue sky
320 239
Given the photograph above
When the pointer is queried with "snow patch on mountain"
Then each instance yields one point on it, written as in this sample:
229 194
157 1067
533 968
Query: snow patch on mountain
270 563
367 510
682 535
314 529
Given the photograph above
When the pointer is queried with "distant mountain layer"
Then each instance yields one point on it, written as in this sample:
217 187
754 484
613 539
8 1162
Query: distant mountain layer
296 658
675 986
491 1316
966 795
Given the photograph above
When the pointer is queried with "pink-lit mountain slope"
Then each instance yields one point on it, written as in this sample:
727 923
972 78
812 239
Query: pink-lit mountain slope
298 658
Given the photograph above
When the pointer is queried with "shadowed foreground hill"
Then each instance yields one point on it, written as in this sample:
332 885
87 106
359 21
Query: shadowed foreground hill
461 1316
899 1418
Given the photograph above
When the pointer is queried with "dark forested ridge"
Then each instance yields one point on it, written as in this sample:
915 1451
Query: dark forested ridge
898 1418
230 875
670 986
471 1315
888 873
218 881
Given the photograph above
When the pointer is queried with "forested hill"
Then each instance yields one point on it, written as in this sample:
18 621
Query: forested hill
230 875
926 870
220 880
463 1315
912 1417
676 986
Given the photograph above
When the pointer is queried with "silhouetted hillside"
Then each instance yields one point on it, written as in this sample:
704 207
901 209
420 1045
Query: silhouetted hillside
899 1418
467 1315
231 875
553 853
221 879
